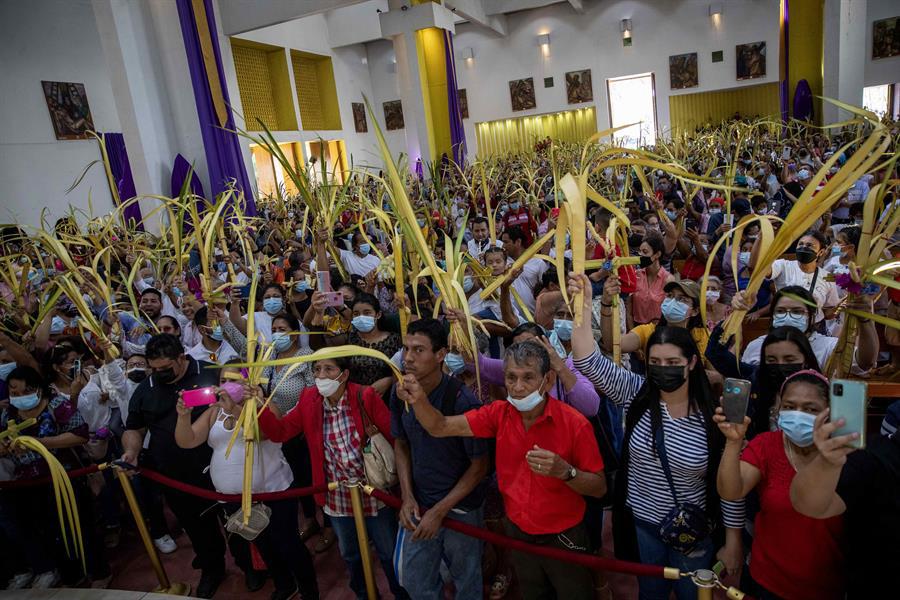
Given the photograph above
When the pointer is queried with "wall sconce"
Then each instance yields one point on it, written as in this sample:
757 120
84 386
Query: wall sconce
392 65
544 43
715 13
625 26
467 54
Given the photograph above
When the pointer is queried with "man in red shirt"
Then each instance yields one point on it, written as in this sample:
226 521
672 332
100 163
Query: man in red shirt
519 217
547 459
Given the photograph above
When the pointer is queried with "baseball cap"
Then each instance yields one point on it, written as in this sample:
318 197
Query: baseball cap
690 288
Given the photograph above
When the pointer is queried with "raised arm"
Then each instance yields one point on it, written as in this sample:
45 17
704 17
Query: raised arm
192 435
814 488
735 477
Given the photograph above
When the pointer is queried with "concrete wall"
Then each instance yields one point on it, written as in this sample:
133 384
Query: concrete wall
883 70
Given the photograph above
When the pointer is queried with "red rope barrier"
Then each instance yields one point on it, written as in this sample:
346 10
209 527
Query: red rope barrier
193 490
23 483
597 563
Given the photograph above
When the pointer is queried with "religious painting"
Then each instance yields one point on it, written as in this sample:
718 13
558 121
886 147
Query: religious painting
359 117
886 38
521 92
578 87
751 60
393 115
463 100
683 71
69 110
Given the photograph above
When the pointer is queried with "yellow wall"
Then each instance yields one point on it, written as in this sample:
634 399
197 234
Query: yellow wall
433 74
264 85
316 91
520 134
687 111
805 60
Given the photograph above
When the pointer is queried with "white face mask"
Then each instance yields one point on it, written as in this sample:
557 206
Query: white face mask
528 402
327 387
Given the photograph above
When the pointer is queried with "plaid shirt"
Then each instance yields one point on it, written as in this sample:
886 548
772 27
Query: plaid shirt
343 459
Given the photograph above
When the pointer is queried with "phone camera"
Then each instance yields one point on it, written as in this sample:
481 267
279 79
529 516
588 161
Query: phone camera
838 389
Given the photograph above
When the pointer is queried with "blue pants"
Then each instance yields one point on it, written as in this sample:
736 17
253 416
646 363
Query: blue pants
653 551
419 561
382 530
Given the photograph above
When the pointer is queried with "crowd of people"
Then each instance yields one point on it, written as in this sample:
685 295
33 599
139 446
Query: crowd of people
541 432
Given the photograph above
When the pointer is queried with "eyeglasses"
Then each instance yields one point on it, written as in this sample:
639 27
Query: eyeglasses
797 313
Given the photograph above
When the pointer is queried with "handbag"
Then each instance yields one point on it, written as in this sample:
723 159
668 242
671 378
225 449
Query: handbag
260 515
378 454
686 525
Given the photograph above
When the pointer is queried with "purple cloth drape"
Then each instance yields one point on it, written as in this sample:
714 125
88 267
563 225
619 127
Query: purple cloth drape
784 87
180 172
121 172
457 131
224 160
803 101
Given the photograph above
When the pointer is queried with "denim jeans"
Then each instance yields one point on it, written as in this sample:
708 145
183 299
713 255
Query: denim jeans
382 530
654 552
419 561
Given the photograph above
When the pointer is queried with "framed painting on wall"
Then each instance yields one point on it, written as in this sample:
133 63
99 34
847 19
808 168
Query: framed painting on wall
359 117
69 110
683 71
521 93
393 115
886 38
750 60
579 87
463 100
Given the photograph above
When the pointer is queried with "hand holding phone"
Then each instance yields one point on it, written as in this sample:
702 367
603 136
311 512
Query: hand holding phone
848 402
735 396
199 397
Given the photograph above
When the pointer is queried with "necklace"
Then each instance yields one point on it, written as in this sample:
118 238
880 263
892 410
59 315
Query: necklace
789 451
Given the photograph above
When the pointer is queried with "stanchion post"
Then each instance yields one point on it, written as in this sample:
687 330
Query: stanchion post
165 586
705 580
361 536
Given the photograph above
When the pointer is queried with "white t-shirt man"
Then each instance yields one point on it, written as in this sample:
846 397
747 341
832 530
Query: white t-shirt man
788 272
359 265
476 248
532 271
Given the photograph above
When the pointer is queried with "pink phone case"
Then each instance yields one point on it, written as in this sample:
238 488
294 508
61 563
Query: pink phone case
333 299
199 397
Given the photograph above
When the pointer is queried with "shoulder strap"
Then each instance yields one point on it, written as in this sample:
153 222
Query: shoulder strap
660 442
369 427
448 403
812 286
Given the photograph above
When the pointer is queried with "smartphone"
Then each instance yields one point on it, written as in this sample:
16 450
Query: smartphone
199 397
735 396
848 402
333 299
76 369
786 153
323 281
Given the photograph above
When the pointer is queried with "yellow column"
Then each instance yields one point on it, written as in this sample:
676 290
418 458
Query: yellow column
433 74
805 58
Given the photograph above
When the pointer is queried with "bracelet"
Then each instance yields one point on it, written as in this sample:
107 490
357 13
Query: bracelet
605 305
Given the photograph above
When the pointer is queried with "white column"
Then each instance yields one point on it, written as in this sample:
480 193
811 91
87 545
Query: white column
844 56
410 88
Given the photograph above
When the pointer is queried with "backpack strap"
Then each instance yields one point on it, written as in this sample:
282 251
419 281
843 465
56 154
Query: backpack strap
448 403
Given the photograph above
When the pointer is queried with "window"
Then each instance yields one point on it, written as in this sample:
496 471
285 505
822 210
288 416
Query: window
271 180
316 91
264 86
877 99
632 99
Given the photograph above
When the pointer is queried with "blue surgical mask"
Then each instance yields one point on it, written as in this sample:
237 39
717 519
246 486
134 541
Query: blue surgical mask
177 292
468 283
514 206
528 402
563 329
364 249
26 402
671 214
744 258
835 250
363 323
273 306
149 280
281 341
420 222
789 320
6 369
797 426
455 363
441 263
216 333
221 267
57 325
301 286
674 310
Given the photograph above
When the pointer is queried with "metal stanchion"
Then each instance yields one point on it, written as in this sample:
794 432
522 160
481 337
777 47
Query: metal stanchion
359 519
165 586
706 581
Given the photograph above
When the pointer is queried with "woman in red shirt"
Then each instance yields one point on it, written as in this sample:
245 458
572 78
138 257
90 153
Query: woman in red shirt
793 556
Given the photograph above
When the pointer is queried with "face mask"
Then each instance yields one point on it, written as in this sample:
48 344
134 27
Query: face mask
563 329
805 256
363 323
835 250
514 205
715 211
164 375
503 208
761 172
455 363
441 263
712 295
221 267
216 333
301 286
149 280
177 291
26 402
789 320
646 261
281 341
57 325
666 378
528 402
272 305
6 369
674 311
778 373
671 214
635 239
137 374
420 222
364 249
327 387
797 426
298 233
468 283
744 258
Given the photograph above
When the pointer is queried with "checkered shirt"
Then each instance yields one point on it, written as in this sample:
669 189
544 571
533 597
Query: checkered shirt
343 459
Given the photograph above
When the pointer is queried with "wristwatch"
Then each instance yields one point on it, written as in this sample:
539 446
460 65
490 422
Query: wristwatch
570 474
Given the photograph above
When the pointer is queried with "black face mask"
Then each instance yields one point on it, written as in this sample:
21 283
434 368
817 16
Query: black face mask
778 373
646 261
164 375
138 375
806 256
666 378
635 239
